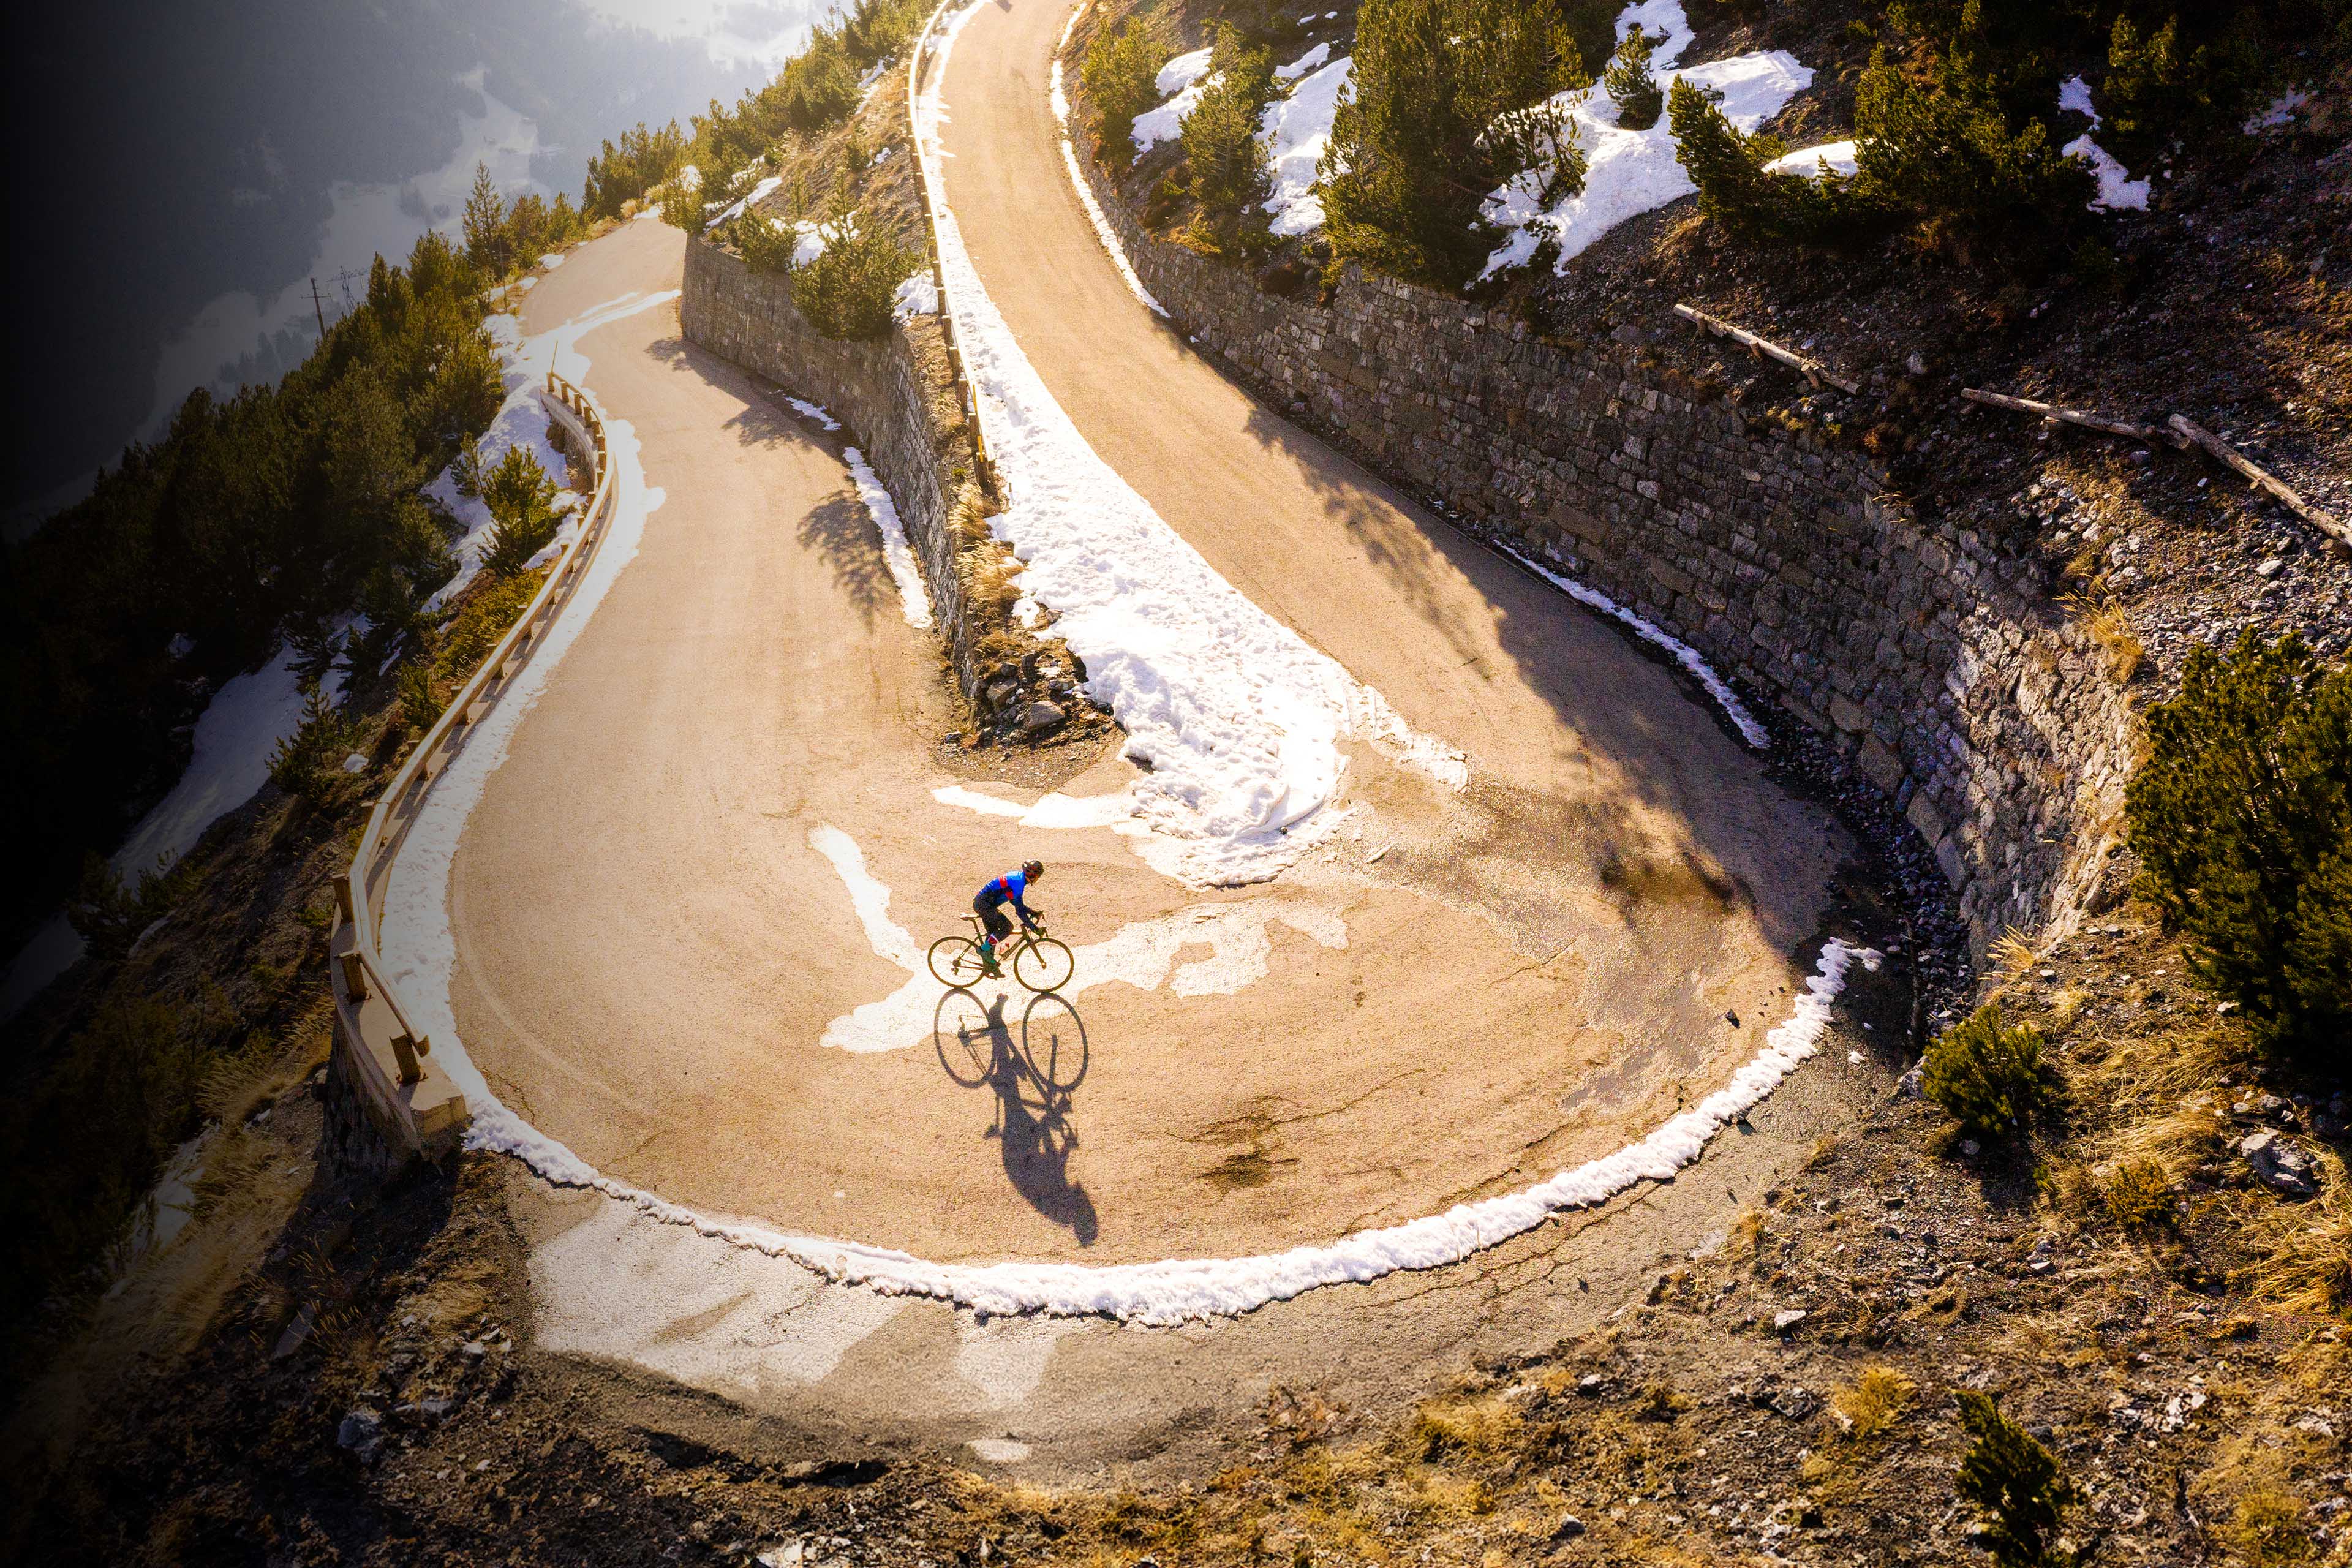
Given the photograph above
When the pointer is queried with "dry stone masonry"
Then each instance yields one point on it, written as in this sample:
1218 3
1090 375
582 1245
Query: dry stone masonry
1934 660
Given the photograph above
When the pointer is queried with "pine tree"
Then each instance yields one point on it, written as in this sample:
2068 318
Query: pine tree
520 499
1953 161
1230 184
2016 1482
1986 1077
767 243
1120 76
1413 153
2242 818
1632 88
850 291
486 226
1729 168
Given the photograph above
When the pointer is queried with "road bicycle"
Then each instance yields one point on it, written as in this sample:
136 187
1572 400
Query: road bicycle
1036 960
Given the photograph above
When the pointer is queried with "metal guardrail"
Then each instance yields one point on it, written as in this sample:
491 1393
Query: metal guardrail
390 1058
967 396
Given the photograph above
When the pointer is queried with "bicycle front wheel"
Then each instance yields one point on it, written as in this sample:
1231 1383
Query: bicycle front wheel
1043 964
955 961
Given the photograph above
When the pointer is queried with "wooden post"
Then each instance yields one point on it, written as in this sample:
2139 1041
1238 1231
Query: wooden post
354 977
403 1053
345 903
2269 484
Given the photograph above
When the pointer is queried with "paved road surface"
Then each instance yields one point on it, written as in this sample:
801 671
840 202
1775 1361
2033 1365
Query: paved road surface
656 936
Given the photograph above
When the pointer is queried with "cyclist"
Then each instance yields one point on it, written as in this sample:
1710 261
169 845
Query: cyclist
988 904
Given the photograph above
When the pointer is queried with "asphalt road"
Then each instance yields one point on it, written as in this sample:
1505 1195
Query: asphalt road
660 956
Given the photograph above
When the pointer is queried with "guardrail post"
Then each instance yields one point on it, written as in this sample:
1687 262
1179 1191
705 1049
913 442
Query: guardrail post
354 977
346 905
405 1052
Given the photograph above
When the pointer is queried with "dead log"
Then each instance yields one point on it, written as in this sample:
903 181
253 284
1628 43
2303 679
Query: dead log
1813 371
2054 412
2269 484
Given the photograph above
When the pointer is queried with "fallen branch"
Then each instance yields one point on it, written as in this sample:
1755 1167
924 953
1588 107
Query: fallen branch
1813 371
2051 411
2334 527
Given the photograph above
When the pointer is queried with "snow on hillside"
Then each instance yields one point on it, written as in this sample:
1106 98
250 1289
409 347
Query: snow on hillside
1628 172
1295 131
1181 81
2117 187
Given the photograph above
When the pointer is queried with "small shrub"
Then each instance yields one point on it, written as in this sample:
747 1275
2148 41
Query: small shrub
108 912
2159 87
523 519
1480 1427
1727 167
421 700
2241 817
1635 92
682 203
309 764
1120 75
847 292
1875 1403
2137 1196
1953 162
2269 1528
766 243
2015 1480
819 85
1988 1077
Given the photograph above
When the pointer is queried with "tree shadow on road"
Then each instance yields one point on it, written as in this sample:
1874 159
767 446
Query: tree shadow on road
839 528
1034 1083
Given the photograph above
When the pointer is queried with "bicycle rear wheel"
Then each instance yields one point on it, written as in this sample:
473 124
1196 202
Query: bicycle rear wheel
955 961
1043 964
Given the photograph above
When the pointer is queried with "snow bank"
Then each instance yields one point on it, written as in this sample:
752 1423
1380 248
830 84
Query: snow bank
1843 158
916 295
1103 231
816 411
1181 81
1628 172
914 600
2117 187
1293 131
1240 719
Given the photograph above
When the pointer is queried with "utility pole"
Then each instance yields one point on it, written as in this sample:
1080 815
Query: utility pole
321 308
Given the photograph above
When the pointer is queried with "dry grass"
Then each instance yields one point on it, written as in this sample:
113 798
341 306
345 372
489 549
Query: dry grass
1744 1243
1482 1427
2011 951
1874 1402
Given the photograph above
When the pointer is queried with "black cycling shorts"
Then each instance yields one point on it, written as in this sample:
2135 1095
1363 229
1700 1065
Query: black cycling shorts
992 915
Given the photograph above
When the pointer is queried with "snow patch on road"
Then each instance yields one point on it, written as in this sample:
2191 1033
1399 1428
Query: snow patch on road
1240 719
1060 101
1142 955
914 599
1681 652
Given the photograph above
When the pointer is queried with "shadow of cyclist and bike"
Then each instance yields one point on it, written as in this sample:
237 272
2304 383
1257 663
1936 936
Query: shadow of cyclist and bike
1034 1081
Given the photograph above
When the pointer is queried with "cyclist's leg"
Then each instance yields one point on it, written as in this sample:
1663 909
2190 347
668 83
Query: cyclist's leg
995 928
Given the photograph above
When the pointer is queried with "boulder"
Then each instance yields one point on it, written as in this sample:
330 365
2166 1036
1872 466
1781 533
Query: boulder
1040 717
2280 1165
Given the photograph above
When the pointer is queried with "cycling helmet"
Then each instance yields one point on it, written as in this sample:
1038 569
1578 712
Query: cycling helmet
1033 869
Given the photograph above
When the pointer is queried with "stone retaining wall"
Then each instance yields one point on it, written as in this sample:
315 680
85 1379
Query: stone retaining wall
902 415
1933 659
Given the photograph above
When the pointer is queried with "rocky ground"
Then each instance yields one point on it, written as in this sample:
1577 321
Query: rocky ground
2157 1283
